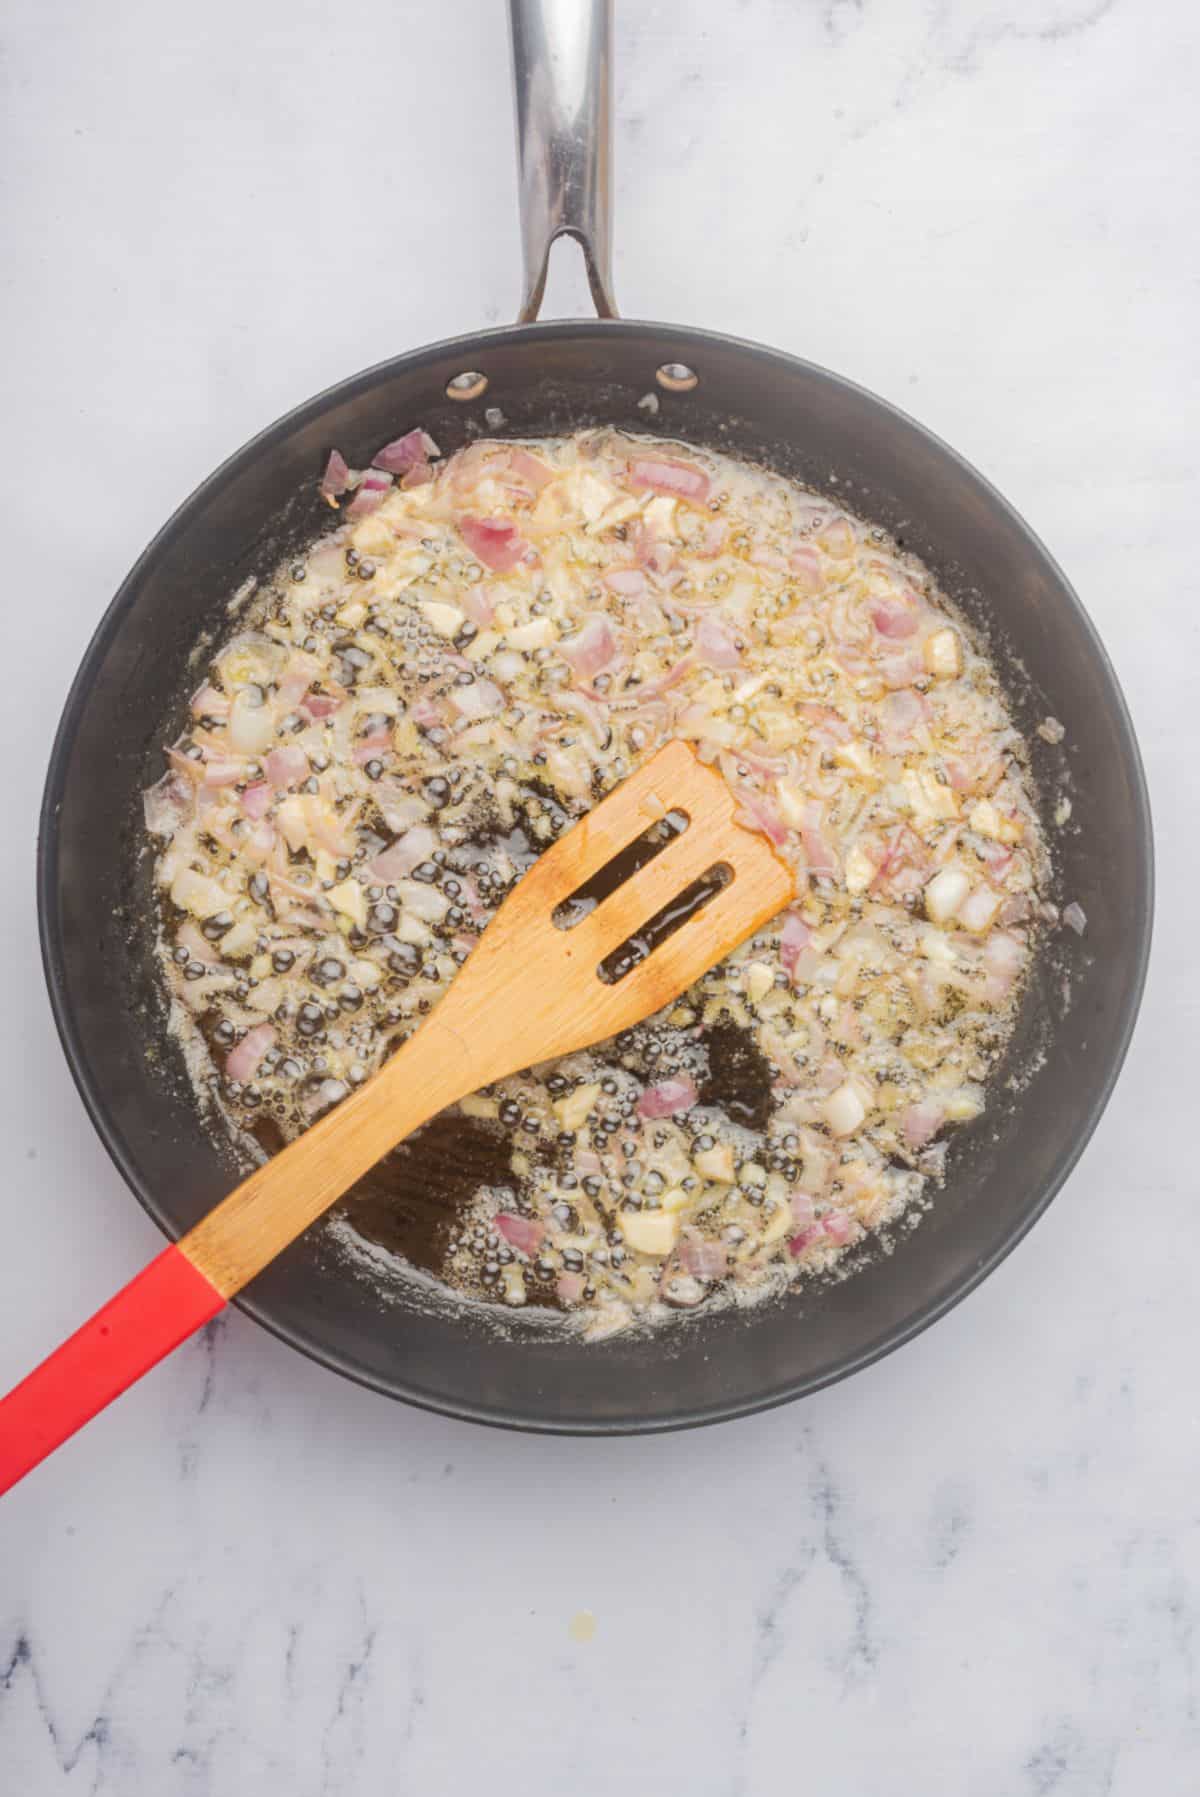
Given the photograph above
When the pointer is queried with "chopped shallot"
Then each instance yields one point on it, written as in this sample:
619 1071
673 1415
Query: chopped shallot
569 1288
168 804
805 565
494 541
407 852
838 1227
592 649
317 706
895 618
373 489
478 700
222 770
715 643
899 714
286 767
701 1258
844 1111
521 1233
242 1062
680 479
922 1122
336 477
822 860
627 581
209 703
257 800
374 744
801 1205
530 470
668 1097
406 452
806 1239
794 940
479 604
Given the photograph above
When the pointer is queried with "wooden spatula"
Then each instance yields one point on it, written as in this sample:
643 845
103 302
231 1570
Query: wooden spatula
548 976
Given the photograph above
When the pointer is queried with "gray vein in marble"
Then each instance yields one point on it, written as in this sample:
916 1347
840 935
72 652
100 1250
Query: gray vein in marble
951 1524
98 1736
841 17
210 1338
1066 1753
955 47
861 1653
768 1632
342 1740
207 1344
1072 22
414 1697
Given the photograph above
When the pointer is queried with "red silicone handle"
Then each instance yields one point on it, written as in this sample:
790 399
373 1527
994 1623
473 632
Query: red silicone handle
166 1302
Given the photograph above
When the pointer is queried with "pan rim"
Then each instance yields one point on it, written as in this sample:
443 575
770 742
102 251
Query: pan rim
52 948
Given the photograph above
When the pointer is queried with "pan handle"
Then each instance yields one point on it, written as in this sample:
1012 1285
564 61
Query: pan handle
562 79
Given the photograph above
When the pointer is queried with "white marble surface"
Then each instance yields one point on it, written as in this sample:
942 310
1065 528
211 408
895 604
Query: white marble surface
974 1568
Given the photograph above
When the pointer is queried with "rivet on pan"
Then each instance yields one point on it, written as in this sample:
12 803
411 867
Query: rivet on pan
677 377
468 385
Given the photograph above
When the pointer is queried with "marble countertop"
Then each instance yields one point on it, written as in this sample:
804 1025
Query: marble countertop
973 1568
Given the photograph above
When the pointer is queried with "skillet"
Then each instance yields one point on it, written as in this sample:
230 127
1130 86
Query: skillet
129 697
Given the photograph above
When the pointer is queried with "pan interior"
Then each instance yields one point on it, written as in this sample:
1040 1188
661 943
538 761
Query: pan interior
406 1337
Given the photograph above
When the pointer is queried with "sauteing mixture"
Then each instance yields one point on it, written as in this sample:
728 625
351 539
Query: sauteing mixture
479 650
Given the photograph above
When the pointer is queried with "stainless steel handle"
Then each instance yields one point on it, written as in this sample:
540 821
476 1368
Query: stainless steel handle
561 75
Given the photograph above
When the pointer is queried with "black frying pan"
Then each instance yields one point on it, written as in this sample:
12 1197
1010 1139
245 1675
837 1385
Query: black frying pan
747 401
